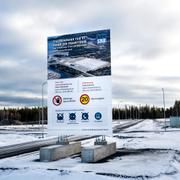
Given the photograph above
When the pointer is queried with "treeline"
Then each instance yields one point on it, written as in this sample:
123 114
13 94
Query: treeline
33 115
146 112
24 115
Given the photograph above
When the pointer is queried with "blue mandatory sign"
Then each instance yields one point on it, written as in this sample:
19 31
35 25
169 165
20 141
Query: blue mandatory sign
60 117
98 115
85 116
72 116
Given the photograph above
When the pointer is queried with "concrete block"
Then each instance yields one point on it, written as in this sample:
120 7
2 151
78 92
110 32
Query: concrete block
175 122
98 152
55 152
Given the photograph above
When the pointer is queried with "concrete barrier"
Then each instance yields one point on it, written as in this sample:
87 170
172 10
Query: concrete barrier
55 152
175 122
97 152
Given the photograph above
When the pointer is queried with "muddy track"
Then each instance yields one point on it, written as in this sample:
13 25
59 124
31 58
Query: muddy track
119 128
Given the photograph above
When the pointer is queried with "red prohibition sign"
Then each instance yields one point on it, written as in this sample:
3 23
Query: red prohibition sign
57 100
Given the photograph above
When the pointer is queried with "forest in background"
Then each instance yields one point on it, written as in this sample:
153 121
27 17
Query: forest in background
146 112
26 115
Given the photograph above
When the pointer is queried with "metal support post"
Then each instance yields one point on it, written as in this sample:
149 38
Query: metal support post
164 109
44 83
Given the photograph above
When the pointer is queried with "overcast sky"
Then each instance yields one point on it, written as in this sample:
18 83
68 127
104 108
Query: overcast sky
145 46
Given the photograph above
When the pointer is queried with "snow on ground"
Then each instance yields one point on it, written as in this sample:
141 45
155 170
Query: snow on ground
145 151
150 125
16 134
120 122
9 139
22 127
149 134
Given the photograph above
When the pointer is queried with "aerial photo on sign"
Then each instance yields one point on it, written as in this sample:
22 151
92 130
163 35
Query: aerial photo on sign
79 55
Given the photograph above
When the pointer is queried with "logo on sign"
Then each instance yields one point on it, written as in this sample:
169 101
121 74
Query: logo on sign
84 99
101 41
57 100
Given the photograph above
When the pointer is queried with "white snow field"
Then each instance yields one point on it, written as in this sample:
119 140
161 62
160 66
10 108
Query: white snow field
86 64
144 151
19 134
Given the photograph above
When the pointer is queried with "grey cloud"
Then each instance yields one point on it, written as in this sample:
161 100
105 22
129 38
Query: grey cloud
143 94
135 69
137 28
24 78
169 79
33 4
135 24
14 44
9 100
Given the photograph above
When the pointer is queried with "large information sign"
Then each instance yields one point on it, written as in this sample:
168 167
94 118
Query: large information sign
79 84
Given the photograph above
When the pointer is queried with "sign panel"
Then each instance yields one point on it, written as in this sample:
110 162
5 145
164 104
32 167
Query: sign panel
79 84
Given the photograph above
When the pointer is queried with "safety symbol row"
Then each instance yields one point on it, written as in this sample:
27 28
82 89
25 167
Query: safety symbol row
72 116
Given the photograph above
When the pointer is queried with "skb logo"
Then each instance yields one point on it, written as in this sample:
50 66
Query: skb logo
101 41
84 99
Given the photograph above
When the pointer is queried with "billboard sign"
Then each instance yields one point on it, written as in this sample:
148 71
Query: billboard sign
79 84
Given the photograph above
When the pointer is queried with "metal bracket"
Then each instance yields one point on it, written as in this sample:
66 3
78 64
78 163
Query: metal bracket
100 141
63 140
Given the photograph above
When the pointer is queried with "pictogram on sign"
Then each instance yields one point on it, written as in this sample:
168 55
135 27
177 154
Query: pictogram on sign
98 115
84 99
57 100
